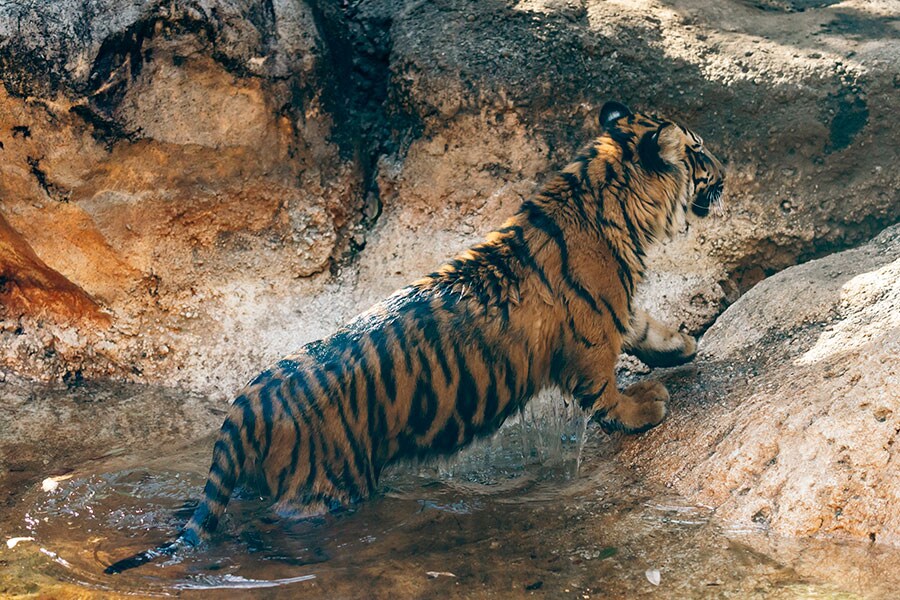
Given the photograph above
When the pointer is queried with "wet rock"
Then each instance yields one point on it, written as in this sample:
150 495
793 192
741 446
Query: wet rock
790 418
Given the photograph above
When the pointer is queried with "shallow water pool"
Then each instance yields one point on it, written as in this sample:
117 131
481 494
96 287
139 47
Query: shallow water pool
542 509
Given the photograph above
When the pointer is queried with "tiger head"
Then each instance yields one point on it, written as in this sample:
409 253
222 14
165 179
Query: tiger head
662 149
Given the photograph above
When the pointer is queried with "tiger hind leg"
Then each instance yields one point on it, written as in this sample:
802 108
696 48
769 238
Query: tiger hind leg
657 345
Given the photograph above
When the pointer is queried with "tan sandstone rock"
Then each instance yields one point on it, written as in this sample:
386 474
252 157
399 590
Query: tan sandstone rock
789 419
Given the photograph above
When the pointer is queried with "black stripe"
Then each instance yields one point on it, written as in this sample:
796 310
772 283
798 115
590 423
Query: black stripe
261 377
233 434
602 221
424 315
220 451
522 252
579 337
466 391
325 390
371 400
295 449
214 493
352 488
359 459
489 359
330 475
540 220
385 364
313 465
268 416
587 400
557 365
300 396
585 175
610 173
402 342
303 392
353 395
502 277
424 403
575 187
632 231
620 326
649 152
624 273
623 139
248 420
282 478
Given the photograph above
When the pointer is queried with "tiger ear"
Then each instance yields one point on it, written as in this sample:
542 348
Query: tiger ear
612 111
658 149
671 143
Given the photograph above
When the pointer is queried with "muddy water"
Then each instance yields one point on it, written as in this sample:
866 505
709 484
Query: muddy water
542 509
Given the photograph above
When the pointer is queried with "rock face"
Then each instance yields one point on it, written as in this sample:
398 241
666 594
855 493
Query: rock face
790 417
153 156
217 182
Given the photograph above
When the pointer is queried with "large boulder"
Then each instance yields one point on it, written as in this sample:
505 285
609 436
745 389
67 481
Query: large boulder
790 417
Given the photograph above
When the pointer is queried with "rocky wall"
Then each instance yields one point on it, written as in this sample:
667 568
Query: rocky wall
221 181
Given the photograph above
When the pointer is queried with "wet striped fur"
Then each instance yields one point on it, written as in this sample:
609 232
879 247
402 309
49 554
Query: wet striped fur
546 300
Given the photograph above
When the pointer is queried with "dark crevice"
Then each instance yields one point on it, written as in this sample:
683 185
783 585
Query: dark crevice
357 56
367 126
772 257
51 189
851 117
790 6
105 130
121 56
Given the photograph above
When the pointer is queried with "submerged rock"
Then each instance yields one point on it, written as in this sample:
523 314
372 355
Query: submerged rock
789 419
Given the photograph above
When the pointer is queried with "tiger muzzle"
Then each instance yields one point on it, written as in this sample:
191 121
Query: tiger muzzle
707 198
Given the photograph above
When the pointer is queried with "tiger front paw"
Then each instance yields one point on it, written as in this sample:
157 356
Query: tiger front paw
641 406
682 348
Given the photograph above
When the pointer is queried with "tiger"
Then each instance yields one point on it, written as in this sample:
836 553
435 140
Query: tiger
545 301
